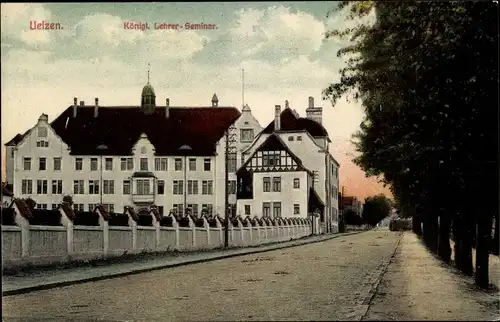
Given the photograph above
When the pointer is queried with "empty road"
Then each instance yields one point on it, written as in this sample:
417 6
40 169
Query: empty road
324 281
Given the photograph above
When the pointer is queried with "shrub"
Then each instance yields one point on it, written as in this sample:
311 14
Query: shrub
42 217
198 222
86 218
118 219
212 222
399 225
144 220
235 222
8 217
183 221
167 221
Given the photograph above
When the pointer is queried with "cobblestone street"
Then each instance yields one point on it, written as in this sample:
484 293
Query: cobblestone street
326 281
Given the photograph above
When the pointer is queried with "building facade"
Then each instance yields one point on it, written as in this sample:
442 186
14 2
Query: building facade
169 156
288 170
352 203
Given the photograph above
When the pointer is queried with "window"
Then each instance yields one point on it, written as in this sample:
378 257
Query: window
161 164
143 150
178 208
207 165
231 186
194 208
160 210
296 183
93 164
144 164
299 138
231 162
57 164
42 132
266 184
208 209
126 187
247 210
160 187
109 164
246 135
192 187
276 209
42 144
127 164
266 209
42 164
93 187
296 209
143 187
178 164
41 187
54 206
108 187
57 187
192 164
92 206
78 187
26 187
41 206
178 187
207 187
271 158
79 207
27 164
277 184
78 164
290 138
109 207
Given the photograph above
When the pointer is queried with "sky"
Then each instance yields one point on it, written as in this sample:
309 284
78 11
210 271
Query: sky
280 45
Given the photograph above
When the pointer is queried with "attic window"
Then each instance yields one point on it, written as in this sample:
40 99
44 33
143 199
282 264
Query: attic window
290 138
42 132
143 150
246 123
299 138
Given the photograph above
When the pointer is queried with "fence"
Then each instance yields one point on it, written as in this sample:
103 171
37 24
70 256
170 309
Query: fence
27 244
358 227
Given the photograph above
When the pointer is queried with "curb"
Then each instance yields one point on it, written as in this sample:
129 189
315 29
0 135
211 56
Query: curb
373 290
39 287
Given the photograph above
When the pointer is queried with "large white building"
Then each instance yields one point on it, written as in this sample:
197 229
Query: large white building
170 156
289 171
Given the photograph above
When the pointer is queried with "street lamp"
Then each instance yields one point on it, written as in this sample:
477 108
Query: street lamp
185 149
101 148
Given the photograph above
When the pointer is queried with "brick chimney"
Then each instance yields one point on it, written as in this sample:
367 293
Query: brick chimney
96 107
167 108
314 113
75 106
277 119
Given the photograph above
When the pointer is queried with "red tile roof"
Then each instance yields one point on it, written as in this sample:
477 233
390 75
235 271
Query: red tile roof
119 128
290 122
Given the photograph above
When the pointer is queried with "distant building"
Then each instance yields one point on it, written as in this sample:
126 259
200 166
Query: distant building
352 203
288 170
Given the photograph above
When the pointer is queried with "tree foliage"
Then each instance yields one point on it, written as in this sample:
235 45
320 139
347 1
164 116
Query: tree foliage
352 218
427 76
375 209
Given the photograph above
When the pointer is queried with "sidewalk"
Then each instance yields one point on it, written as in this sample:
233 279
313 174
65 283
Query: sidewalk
418 286
45 279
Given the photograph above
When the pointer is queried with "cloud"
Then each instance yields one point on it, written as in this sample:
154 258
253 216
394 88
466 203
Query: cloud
16 18
266 35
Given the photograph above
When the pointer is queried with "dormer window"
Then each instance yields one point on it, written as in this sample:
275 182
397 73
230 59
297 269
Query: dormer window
299 138
246 135
290 138
42 132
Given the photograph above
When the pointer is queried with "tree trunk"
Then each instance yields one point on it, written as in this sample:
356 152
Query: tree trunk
482 250
495 247
434 233
468 225
444 249
417 225
457 239
426 230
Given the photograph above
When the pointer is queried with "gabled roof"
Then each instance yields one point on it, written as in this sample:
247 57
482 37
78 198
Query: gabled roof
120 127
275 143
16 139
289 121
